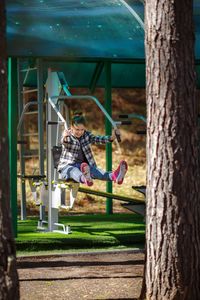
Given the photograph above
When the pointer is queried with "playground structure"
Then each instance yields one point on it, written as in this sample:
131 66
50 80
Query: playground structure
49 191
83 40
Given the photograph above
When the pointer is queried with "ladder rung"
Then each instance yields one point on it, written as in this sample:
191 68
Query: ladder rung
37 177
30 156
29 91
31 112
29 69
31 152
22 142
30 134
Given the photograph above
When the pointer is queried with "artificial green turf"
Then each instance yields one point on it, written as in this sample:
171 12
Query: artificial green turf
88 232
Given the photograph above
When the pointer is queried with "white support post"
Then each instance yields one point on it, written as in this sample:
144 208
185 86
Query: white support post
53 87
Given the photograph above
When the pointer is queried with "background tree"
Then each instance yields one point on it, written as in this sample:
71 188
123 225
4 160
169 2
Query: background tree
173 204
9 287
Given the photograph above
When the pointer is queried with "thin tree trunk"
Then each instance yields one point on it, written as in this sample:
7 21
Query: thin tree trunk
173 204
9 287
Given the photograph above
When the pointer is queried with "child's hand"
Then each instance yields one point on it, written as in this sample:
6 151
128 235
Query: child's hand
113 136
66 133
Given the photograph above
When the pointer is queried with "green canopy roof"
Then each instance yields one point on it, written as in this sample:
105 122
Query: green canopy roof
80 28
84 30
64 28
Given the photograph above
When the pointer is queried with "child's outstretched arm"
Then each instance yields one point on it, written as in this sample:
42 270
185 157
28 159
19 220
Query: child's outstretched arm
65 136
101 139
114 135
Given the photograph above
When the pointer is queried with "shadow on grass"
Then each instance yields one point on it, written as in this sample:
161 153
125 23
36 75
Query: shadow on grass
93 231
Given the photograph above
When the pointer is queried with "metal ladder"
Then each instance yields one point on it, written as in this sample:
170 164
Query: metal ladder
23 131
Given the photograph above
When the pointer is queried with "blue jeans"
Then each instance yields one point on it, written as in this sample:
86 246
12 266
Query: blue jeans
73 172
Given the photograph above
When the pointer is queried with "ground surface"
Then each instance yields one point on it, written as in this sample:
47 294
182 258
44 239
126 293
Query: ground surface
111 275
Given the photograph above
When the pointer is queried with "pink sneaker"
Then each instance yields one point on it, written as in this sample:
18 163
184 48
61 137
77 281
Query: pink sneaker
85 169
119 174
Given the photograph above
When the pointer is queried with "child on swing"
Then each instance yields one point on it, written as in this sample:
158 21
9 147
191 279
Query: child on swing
77 161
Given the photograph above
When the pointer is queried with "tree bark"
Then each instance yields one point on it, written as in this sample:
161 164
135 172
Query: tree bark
9 287
173 202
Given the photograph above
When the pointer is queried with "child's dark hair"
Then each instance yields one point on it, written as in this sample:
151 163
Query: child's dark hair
78 118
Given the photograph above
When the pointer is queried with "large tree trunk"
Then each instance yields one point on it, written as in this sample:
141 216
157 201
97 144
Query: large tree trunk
9 287
173 204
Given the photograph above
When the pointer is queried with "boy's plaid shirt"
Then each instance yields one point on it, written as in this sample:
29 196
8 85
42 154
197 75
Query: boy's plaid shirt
71 146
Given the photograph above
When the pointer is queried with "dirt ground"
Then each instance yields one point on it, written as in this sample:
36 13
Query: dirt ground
103 275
